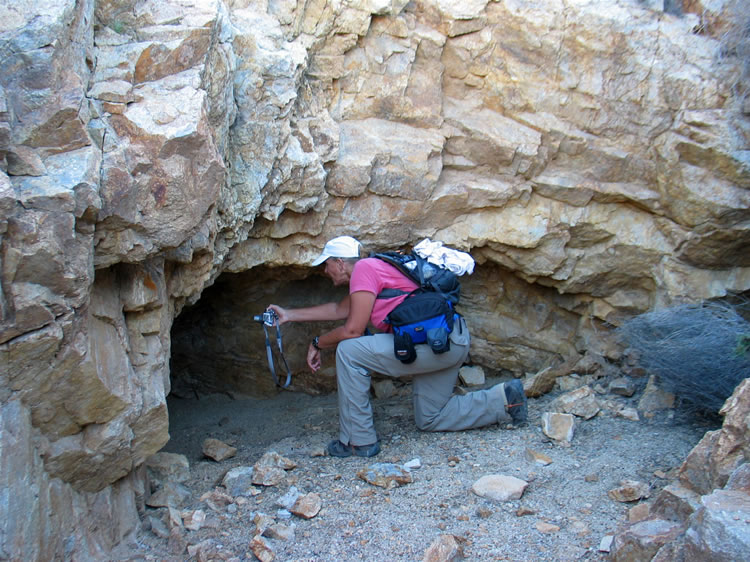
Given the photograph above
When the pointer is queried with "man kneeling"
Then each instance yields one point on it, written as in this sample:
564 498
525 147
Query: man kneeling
434 375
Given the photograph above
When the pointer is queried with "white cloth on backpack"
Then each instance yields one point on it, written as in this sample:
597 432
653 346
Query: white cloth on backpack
453 260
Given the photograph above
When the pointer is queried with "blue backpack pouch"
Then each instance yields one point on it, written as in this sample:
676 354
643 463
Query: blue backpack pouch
422 317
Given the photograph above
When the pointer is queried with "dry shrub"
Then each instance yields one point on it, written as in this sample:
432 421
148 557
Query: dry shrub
698 351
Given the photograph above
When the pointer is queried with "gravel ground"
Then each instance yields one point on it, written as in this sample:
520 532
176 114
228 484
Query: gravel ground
359 521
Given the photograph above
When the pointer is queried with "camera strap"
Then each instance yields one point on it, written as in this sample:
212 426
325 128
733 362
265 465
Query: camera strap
269 354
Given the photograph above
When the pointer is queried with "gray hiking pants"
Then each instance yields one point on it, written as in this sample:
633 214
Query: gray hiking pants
434 377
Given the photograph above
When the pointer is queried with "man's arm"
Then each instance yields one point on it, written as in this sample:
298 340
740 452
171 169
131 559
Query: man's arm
360 309
319 313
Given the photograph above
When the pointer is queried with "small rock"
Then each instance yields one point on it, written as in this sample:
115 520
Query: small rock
642 540
413 464
158 527
174 519
676 503
261 549
280 531
638 513
559 427
629 491
307 506
622 386
544 527
239 481
580 528
168 466
606 543
445 548
580 402
538 458
484 512
218 450
472 376
176 542
288 500
570 382
591 478
385 475
629 414
654 398
283 514
170 494
262 522
521 511
272 458
194 520
499 487
268 475
217 500
204 550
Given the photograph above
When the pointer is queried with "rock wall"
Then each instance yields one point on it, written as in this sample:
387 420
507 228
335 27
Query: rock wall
592 157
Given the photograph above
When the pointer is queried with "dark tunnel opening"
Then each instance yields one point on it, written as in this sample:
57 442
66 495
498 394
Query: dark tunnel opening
218 347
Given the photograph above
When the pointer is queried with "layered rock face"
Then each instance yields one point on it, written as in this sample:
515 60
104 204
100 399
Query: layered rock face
592 157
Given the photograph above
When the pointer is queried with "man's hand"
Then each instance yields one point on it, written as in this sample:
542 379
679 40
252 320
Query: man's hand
313 358
283 315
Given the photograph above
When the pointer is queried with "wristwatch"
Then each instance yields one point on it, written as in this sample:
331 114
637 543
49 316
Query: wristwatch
315 343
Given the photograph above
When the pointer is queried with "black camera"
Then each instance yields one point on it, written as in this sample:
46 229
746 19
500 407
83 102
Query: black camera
268 317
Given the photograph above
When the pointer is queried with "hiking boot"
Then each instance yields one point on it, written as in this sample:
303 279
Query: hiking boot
517 403
337 449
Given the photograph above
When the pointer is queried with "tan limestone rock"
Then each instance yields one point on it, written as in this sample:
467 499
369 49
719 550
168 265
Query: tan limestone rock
559 427
24 161
580 402
168 466
386 475
445 548
537 457
499 487
307 506
262 549
642 540
193 519
546 528
472 375
675 503
218 450
720 452
654 399
629 491
638 512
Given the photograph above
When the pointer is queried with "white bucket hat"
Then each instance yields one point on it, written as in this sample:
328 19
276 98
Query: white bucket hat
339 247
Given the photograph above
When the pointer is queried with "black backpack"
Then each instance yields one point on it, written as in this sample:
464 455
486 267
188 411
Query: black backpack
427 315
428 276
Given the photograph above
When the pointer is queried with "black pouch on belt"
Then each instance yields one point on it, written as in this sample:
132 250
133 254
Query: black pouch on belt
403 348
438 340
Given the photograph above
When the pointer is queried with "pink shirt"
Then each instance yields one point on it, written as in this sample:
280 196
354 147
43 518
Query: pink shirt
374 275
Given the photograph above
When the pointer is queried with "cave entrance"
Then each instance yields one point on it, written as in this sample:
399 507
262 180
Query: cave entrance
217 346
221 385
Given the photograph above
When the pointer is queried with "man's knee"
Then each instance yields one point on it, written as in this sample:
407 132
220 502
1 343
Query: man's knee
425 422
345 350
